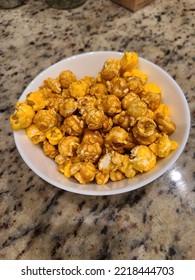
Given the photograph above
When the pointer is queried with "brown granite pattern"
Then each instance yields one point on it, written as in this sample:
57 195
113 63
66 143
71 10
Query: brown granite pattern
39 221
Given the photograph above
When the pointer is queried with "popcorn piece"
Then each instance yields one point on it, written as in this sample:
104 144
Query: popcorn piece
49 150
92 137
73 125
78 89
152 95
54 135
116 138
86 173
53 84
95 118
128 62
54 101
23 116
101 179
137 109
111 105
163 109
135 84
34 134
165 124
67 107
136 73
66 78
142 158
163 146
89 152
68 146
36 100
110 69
118 87
45 119
128 100
98 90
122 120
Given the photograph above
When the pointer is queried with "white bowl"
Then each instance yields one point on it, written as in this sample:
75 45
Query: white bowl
90 64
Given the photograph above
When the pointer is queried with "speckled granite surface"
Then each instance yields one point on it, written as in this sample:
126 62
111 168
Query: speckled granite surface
39 221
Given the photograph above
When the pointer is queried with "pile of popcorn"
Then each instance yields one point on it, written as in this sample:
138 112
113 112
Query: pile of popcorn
106 128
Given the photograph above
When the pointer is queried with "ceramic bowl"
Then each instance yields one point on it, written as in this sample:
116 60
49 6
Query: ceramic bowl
90 64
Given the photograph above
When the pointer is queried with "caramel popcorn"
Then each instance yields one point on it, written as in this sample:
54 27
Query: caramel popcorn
23 116
66 78
35 134
45 119
109 127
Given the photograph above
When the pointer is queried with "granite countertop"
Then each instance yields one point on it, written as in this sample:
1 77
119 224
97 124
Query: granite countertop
40 221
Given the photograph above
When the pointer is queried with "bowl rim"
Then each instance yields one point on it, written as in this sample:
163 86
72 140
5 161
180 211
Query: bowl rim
105 192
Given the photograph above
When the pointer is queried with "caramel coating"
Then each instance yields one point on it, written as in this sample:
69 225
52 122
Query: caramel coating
68 146
34 134
67 107
49 150
111 105
73 125
118 86
53 84
45 119
66 78
165 124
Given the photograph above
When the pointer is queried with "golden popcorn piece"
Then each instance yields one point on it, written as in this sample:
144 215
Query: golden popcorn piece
23 116
128 100
94 118
66 78
107 124
68 146
45 119
54 135
137 109
116 175
34 134
135 84
117 86
86 173
67 107
98 90
54 101
142 158
101 179
163 146
116 138
128 62
152 95
88 152
111 105
78 89
122 119
146 127
49 149
92 137
36 100
73 125
163 109
110 69
136 73
53 84
165 124
123 164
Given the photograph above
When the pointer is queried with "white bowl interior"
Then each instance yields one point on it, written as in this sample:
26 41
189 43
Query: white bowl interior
90 64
